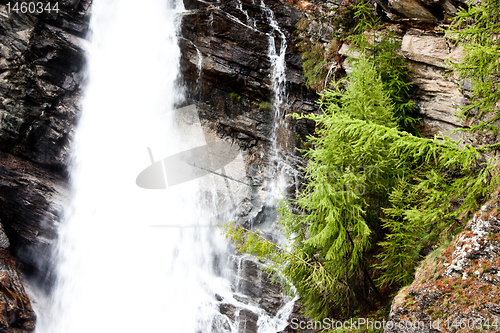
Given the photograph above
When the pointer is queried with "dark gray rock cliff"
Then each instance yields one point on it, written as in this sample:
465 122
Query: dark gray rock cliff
226 69
41 61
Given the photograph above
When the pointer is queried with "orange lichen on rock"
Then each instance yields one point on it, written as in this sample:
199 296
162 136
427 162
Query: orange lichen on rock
305 5
459 284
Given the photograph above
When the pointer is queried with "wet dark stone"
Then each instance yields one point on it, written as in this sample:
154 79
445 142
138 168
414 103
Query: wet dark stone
247 321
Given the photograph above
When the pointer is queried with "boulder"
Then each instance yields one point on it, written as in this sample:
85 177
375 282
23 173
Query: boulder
412 9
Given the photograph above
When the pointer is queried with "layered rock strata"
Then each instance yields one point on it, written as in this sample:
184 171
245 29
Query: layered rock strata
227 70
41 61
418 25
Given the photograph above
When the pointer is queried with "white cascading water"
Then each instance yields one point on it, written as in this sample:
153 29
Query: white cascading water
276 55
116 271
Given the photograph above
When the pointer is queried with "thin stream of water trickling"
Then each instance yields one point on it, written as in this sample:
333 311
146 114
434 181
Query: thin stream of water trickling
276 55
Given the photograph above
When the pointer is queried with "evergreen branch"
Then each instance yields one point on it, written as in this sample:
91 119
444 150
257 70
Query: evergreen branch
234 233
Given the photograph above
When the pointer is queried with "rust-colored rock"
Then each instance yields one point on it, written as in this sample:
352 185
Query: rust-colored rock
16 314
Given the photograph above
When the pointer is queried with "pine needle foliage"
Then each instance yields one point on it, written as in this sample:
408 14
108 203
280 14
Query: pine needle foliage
380 45
311 278
419 184
477 29
376 106
356 24
370 188
315 65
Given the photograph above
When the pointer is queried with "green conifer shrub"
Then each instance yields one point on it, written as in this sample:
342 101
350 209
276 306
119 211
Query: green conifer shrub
477 29
357 25
380 45
371 188
314 64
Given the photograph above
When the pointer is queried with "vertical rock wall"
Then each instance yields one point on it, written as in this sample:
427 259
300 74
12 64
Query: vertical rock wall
226 68
41 61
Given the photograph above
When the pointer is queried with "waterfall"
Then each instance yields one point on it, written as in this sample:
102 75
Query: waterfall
130 259
199 66
278 65
249 20
276 54
115 272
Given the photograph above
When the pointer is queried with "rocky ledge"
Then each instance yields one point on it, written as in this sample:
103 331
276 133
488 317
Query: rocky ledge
227 69
457 288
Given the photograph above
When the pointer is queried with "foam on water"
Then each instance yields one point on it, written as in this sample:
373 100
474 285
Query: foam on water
115 272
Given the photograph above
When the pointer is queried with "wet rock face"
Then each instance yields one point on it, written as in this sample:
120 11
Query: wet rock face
41 61
227 68
254 296
456 289
253 282
31 200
